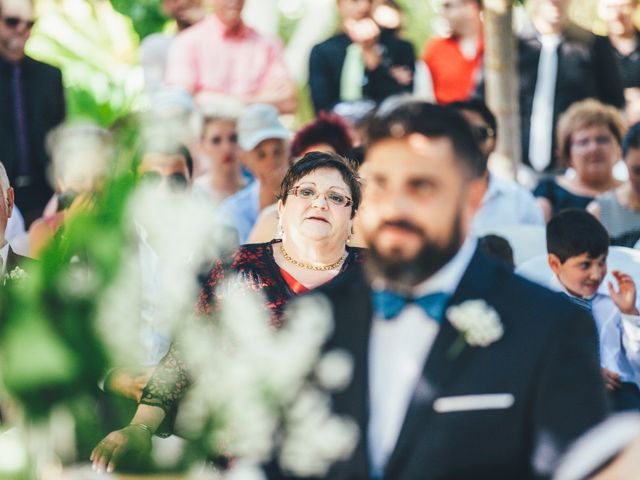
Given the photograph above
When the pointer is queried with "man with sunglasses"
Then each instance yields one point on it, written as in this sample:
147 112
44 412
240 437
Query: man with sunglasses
505 203
31 104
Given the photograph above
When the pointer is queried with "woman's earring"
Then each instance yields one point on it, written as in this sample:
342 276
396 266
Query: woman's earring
279 230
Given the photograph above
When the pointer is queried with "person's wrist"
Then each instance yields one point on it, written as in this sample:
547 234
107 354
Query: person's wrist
631 311
142 426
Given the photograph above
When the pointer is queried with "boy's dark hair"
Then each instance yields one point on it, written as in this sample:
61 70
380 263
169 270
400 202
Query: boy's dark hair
164 148
499 248
403 117
573 232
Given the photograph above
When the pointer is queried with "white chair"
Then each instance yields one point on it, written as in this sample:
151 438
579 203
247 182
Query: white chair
527 241
625 259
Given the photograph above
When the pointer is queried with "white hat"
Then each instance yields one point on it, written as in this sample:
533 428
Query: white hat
257 123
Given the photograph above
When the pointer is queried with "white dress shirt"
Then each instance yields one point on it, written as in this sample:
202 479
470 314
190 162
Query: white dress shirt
398 350
506 203
541 133
618 335
4 253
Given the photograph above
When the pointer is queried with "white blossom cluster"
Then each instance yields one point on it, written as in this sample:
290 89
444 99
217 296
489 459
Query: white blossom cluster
259 390
478 322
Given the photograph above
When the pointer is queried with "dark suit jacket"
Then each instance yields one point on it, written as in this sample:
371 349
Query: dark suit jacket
325 70
547 359
14 260
44 109
587 67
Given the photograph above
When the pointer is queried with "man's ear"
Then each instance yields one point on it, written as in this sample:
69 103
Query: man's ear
10 201
554 263
475 191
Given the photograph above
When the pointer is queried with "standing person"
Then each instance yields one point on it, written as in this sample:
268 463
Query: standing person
559 64
221 56
623 36
154 48
454 62
461 369
360 62
31 104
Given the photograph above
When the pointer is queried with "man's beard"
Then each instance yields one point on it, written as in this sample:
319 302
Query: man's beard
402 274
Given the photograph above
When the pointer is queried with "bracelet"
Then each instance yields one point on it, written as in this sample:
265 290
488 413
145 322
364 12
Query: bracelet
143 426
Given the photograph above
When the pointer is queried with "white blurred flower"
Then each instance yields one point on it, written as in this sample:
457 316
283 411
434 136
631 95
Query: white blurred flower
335 370
244 470
13 454
478 322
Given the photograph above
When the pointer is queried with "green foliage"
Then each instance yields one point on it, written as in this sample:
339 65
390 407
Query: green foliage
144 14
418 19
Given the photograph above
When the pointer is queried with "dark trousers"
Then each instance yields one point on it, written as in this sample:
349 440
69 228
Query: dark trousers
627 397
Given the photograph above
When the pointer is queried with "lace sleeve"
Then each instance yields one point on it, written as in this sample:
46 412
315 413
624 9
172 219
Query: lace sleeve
168 382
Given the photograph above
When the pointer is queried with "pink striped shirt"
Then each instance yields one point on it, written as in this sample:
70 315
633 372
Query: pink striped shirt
208 58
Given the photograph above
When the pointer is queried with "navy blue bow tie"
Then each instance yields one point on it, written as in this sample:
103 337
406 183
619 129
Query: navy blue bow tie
389 304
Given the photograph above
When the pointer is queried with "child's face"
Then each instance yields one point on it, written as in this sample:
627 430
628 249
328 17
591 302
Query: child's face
581 275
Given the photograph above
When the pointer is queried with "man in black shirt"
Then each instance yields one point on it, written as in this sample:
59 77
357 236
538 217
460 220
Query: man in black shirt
360 62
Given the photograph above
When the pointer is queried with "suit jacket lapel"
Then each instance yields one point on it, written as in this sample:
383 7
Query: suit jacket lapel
441 366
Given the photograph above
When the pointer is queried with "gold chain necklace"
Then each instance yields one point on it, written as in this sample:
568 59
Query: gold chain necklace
322 268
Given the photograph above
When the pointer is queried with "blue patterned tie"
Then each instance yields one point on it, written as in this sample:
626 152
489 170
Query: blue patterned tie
389 304
584 303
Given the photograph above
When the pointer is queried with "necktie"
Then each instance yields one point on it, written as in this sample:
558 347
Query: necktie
20 118
352 74
584 303
541 133
389 304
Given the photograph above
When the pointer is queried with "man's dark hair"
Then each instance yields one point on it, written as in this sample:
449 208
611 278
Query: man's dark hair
407 117
631 139
164 148
328 128
480 107
573 232
499 248
313 161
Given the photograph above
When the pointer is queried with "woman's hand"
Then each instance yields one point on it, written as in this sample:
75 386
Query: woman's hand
131 444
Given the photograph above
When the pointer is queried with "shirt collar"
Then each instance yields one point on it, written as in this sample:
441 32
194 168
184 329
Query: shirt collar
556 286
4 253
240 32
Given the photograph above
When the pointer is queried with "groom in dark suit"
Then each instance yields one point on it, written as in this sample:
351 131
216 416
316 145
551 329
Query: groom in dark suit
462 370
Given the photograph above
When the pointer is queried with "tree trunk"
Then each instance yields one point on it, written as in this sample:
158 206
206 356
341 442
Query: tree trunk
501 83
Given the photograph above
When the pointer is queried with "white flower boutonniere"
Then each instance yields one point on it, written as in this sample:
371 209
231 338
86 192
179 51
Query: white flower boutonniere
478 323
15 275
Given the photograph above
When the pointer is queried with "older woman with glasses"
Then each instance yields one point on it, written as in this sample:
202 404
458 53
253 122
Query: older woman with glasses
589 136
319 197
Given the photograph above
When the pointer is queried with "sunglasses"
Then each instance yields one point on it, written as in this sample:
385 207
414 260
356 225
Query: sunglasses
483 134
175 181
14 22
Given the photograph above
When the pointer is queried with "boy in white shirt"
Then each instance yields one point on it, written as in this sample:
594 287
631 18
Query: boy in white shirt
578 245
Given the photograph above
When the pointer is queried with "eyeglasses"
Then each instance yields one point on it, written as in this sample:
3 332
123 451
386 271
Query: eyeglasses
217 140
600 140
483 134
14 22
309 193
176 181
